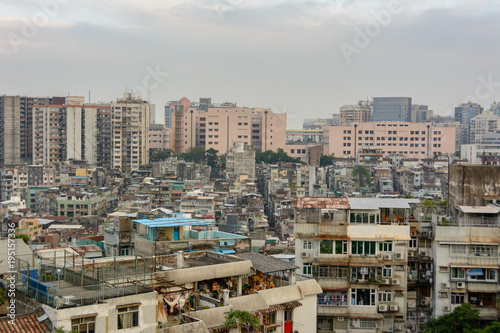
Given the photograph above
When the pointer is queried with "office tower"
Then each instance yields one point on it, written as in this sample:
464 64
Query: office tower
359 113
129 133
391 109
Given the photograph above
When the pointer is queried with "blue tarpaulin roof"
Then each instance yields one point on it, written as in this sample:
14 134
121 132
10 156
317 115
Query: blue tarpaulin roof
171 222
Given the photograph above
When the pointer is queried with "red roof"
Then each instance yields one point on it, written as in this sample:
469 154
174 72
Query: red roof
23 324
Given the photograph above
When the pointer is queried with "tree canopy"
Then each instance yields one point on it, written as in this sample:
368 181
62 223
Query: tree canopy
243 320
157 155
464 319
361 176
269 156
326 160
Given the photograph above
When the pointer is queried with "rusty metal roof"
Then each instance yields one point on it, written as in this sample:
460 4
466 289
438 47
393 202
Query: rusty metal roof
321 203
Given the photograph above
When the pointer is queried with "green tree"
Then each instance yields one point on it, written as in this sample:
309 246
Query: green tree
464 319
494 327
157 155
25 238
212 158
361 176
269 156
326 160
193 154
243 320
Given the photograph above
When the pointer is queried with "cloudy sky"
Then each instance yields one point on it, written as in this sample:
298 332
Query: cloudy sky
306 58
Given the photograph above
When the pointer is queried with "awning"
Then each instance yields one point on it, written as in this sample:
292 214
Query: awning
361 264
475 272
473 266
367 316
277 307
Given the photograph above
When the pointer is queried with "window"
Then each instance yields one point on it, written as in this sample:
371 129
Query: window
483 299
360 247
385 246
364 324
457 298
335 298
364 274
307 245
458 273
128 317
363 297
125 252
385 296
478 274
83 325
329 247
387 271
332 272
458 249
307 269
412 243
483 251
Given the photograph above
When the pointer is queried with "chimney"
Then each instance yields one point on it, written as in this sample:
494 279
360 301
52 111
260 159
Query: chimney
180 259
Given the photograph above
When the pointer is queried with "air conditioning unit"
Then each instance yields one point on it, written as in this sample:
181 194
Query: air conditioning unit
446 308
461 285
423 302
305 255
445 285
340 318
394 307
395 282
400 255
387 256
385 281
423 253
398 327
411 254
382 308
67 300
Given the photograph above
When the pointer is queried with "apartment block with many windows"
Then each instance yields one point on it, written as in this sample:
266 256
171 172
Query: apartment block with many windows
357 250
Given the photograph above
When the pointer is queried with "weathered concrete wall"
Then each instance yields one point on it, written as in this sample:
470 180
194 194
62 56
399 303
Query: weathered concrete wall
468 184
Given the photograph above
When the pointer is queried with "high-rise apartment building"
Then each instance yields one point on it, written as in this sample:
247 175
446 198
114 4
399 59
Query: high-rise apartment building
360 113
463 114
129 133
72 132
391 109
16 128
495 108
481 124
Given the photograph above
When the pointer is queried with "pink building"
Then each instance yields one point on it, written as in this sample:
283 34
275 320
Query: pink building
416 140
220 127
159 137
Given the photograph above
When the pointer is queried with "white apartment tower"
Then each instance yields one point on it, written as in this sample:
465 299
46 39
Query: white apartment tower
130 133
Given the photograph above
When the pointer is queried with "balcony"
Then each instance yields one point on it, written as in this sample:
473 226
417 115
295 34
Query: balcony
476 260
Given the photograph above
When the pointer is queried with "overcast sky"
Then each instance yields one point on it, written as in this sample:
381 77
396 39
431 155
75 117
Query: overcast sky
306 58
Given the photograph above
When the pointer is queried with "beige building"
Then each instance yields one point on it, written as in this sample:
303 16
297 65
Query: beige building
485 123
360 113
413 140
130 133
159 137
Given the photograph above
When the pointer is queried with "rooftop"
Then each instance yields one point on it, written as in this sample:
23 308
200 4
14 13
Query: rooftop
377 203
171 222
266 264
321 203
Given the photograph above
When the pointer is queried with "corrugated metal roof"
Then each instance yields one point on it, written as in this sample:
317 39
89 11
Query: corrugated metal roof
171 222
377 203
321 203
478 209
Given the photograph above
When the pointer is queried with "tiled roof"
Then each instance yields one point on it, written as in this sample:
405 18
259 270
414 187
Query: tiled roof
23 324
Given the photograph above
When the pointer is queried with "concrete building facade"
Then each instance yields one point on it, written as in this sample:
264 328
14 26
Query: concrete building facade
360 113
413 140
130 133
482 124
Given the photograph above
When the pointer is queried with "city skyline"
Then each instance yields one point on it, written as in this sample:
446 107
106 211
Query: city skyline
295 57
